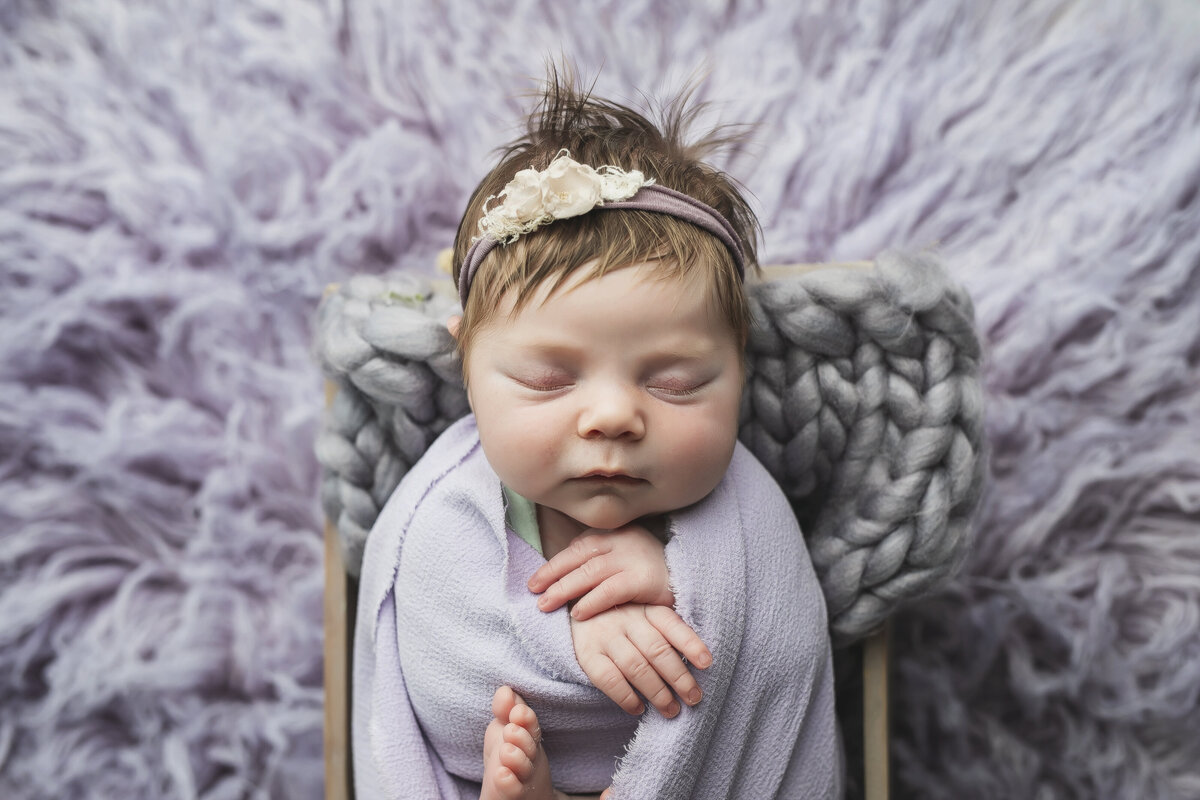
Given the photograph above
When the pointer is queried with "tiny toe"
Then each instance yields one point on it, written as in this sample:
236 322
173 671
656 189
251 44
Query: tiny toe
503 702
524 716
520 737
515 760
507 783
492 737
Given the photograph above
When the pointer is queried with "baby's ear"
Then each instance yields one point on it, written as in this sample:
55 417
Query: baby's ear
453 324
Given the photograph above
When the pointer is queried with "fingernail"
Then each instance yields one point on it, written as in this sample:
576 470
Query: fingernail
543 601
694 697
672 709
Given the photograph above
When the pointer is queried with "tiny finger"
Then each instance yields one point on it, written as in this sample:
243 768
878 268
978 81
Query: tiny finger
680 635
581 550
639 672
552 570
584 578
607 677
612 592
668 664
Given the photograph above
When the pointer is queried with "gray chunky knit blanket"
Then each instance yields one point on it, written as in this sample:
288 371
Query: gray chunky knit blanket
180 180
862 399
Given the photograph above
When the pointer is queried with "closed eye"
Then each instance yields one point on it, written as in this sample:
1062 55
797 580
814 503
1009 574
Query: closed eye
676 388
544 383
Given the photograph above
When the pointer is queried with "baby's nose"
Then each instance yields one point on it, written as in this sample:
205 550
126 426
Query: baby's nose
613 413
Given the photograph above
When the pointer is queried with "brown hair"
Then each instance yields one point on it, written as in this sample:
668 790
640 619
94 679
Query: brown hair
599 132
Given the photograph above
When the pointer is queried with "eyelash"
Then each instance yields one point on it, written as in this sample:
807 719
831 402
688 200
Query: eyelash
554 383
550 384
673 392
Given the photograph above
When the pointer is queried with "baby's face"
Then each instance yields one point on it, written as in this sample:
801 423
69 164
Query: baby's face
611 399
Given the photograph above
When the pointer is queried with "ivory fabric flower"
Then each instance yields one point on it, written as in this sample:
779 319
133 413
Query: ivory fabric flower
523 197
563 190
621 185
570 188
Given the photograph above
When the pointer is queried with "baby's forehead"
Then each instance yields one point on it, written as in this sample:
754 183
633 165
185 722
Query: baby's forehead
667 275
715 300
614 309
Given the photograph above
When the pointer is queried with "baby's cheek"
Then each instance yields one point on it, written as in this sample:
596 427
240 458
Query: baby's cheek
704 448
533 448
539 441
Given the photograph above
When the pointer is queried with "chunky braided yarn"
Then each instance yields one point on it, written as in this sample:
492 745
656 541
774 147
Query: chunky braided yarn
862 399
384 342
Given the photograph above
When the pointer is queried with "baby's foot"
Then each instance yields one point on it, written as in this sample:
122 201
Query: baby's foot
514 763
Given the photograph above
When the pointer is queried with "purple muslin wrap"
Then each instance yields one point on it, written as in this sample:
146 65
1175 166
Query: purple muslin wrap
444 618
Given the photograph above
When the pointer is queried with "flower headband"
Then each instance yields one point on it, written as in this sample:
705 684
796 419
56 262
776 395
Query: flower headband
566 189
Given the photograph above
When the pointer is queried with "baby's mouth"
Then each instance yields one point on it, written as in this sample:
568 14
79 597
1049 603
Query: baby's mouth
610 478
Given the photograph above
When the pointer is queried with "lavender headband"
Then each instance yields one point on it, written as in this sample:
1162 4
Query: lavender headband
566 189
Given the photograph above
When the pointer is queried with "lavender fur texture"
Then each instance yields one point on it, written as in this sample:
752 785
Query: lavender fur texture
179 180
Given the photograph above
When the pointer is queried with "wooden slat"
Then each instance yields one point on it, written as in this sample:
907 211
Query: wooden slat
337 662
876 716
775 271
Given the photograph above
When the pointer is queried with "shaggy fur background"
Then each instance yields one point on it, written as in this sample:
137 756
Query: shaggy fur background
179 180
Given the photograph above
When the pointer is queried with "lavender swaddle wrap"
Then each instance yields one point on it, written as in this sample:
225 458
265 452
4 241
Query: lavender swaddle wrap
445 618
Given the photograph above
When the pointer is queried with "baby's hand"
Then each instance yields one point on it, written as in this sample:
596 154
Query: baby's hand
637 644
605 570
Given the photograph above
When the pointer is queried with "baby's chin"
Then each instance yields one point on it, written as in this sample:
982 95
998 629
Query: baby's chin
606 517
604 522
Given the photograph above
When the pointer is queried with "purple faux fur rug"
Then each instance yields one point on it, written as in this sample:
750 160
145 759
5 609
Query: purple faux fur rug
179 180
